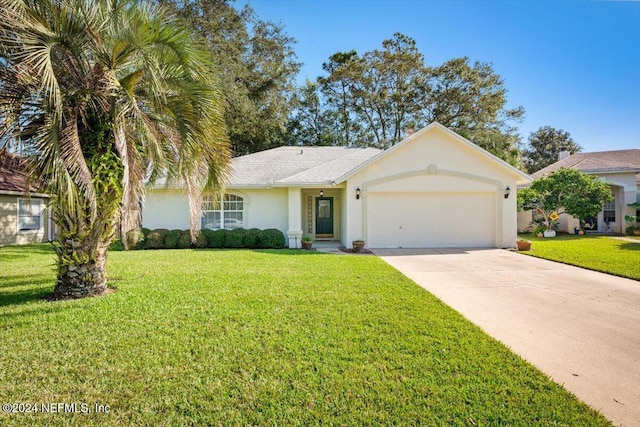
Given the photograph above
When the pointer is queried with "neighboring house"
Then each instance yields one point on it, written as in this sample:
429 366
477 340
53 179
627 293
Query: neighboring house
620 169
433 189
23 210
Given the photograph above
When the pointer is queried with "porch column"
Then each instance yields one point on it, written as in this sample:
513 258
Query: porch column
294 233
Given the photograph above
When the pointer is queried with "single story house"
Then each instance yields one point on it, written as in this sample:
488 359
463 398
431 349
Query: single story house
23 210
433 189
619 168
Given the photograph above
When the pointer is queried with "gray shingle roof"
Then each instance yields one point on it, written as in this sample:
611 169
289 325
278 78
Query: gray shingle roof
597 162
296 165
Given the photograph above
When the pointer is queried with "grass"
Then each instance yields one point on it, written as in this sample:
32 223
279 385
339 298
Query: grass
259 338
599 253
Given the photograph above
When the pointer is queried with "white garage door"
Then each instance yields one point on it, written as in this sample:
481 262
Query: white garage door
431 220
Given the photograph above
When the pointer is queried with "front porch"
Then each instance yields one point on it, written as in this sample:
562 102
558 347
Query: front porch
317 213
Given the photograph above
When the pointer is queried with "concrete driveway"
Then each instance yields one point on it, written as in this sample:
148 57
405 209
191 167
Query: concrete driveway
580 327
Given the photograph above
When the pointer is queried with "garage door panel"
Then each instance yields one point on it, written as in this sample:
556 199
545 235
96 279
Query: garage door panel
423 220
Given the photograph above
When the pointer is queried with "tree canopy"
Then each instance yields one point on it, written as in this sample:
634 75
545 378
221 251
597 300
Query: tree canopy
373 99
107 94
544 146
257 65
565 191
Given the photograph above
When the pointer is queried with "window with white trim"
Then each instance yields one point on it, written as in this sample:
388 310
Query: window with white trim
228 215
29 214
609 212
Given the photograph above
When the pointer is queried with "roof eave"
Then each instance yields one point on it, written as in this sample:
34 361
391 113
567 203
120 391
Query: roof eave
522 177
23 194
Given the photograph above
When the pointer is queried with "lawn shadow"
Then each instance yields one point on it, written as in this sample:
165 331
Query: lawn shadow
630 246
284 251
19 251
36 288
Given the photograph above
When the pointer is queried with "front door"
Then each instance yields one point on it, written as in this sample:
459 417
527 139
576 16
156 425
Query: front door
324 217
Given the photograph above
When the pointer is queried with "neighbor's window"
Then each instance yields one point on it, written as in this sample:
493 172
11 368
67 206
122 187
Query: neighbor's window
29 214
228 215
609 212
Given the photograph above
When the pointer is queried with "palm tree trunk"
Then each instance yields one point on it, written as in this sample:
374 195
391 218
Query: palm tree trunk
81 271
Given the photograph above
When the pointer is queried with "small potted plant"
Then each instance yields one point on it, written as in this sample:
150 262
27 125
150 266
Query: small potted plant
539 230
551 224
523 245
307 242
632 220
358 245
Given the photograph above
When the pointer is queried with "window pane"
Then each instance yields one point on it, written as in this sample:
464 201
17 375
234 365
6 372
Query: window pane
29 214
211 220
609 212
232 220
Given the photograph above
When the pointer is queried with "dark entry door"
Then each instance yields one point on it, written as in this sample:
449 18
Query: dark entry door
324 216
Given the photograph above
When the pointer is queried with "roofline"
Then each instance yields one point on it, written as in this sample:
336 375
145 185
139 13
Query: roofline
23 194
603 171
609 170
523 176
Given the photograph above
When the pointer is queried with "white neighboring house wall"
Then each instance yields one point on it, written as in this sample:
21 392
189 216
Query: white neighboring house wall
10 232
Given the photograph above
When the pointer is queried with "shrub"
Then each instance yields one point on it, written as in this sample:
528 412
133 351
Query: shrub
144 232
116 245
252 238
184 240
218 238
203 239
272 239
170 240
234 238
155 239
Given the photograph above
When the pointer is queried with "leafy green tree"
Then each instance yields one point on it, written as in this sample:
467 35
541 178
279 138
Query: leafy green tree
544 146
472 101
107 93
565 191
337 88
384 92
257 66
311 122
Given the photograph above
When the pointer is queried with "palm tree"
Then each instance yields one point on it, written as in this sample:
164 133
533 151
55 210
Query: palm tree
109 94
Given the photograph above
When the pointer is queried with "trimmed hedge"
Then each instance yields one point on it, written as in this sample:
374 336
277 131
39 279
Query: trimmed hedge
184 240
155 239
217 239
272 239
252 238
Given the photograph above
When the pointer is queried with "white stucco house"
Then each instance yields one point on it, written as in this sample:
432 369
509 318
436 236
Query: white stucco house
620 169
433 189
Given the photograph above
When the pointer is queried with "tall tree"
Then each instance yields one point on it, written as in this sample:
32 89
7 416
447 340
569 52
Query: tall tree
544 147
311 122
107 92
384 92
472 101
257 64
337 88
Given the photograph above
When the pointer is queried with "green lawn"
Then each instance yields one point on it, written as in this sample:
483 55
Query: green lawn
259 338
600 253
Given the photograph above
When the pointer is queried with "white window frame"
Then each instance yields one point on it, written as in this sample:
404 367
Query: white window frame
609 207
34 204
229 208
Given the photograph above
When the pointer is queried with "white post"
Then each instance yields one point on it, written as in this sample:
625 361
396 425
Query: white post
294 232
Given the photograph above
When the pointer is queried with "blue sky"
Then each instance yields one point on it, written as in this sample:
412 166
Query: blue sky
573 65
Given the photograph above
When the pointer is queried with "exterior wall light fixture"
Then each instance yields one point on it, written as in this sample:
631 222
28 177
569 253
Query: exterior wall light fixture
357 193
507 191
